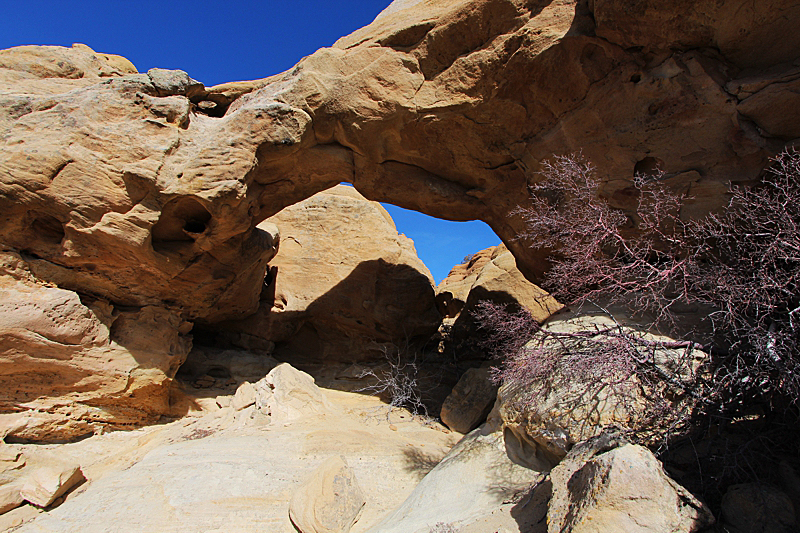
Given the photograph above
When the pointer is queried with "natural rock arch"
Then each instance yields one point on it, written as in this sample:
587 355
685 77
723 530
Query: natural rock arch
142 192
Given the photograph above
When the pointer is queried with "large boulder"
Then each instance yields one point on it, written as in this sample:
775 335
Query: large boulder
71 365
622 489
490 275
343 284
581 381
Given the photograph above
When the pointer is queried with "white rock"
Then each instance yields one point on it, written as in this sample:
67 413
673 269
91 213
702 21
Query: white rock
46 484
329 501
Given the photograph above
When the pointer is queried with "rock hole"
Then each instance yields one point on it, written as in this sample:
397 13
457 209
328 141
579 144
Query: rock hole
219 372
181 220
636 78
648 168
48 228
194 226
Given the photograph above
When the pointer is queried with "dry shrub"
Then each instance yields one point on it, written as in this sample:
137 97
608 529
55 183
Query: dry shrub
743 264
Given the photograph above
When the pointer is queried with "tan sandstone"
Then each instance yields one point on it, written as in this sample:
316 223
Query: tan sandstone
145 190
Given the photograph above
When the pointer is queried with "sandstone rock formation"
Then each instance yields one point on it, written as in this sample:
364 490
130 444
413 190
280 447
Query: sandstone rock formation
144 190
622 489
47 483
489 275
71 364
343 284
329 501
470 401
468 484
234 470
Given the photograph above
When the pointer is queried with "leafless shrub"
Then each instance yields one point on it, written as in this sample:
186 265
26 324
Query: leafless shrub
744 263
399 380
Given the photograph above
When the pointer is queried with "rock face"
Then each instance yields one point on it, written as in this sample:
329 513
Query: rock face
624 489
70 365
329 501
125 189
343 283
491 274
145 190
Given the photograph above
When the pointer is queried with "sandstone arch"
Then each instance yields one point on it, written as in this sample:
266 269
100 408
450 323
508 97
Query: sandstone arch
446 107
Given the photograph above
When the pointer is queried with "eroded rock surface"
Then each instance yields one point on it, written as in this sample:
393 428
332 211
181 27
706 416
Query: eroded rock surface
622 489
145 190
231 469
343 284
544 416
72 365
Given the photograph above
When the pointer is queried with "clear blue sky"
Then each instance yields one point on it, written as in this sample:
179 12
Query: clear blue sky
217 42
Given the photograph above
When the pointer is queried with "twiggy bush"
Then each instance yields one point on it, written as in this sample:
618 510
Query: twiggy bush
744 263
398 380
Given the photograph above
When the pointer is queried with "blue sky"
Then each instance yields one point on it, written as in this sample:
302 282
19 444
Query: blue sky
220 42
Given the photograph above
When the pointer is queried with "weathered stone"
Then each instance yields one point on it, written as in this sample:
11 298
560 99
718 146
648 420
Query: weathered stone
245 396
343 283
471 481
17 517
219 474
45 484
548 414
757 508
72 364
10 497
470 401
329 501
115 184
287 393
490 275
622 489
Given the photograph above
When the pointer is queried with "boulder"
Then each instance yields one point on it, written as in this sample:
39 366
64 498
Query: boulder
757 508
72 364
622 489
584 384
343 284
245 396
287 393
329 501
489 275
470 401
472 481
45 484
